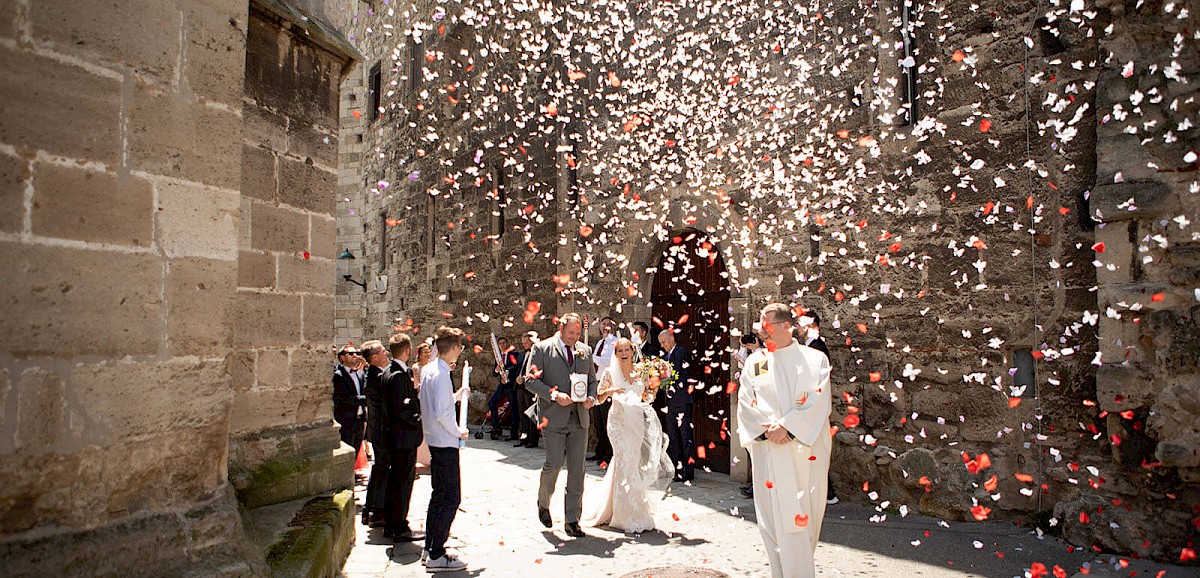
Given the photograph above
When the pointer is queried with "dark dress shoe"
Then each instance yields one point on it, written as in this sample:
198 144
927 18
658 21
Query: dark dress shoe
747 490
405 536
366 517
574 531
544 516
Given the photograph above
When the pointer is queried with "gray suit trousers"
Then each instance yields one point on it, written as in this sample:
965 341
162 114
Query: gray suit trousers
564 443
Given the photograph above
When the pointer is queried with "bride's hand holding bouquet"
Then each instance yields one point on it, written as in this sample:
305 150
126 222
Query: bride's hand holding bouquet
656 373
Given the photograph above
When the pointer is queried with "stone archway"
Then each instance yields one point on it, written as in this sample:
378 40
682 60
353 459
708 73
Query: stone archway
691 289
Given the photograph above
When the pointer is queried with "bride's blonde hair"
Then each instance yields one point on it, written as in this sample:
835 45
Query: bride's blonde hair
636 354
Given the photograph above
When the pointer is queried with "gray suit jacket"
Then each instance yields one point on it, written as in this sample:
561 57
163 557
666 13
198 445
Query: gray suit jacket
555 373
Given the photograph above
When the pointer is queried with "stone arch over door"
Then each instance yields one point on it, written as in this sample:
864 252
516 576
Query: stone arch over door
690 289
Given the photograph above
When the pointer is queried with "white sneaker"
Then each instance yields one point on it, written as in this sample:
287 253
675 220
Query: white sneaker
446 563
832 501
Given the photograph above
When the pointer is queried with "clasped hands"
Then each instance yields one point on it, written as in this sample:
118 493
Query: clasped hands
776 433
564 400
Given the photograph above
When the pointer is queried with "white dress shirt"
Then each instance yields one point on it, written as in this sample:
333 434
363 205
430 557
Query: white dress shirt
439 419
604 356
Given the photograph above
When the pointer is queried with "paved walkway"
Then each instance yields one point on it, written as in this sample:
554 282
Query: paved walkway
704 525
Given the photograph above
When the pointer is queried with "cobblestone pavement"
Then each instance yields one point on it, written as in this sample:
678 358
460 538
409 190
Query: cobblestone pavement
705 525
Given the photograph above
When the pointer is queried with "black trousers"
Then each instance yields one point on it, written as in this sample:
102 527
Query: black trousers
679 434
503 392
398 497
529 431
377 485
352 432
604 449
443 503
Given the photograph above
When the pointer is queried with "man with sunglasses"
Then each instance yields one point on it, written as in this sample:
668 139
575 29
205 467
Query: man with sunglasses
784 404
349 400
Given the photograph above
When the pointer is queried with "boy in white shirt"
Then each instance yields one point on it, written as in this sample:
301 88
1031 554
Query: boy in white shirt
442 433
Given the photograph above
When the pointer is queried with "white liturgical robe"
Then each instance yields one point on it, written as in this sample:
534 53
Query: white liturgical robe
789 387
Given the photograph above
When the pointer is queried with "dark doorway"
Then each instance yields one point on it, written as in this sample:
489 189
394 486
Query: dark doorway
691 290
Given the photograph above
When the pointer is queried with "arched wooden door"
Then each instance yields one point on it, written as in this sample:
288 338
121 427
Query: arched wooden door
691 290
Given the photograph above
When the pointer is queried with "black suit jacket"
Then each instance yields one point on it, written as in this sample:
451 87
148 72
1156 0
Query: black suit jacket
346 403
376 426
401 408
651 349
680 393
819 345
514 364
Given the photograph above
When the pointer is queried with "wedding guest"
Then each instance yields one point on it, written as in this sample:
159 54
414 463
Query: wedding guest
641 339
530 434
603 357
402 413
505 391
349 403
784 402
378 431
750 344
424 351
442 432
679 407
810 330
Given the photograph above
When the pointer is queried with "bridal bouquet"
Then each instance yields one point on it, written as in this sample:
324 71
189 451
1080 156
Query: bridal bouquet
656 373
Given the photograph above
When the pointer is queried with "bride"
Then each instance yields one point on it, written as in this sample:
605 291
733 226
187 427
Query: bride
640 462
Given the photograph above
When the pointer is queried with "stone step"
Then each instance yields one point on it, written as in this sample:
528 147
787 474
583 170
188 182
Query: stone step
307 538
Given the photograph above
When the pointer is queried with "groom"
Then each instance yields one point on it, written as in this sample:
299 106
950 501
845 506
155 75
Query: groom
553 364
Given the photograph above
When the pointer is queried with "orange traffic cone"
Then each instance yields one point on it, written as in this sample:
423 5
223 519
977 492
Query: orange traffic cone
360 463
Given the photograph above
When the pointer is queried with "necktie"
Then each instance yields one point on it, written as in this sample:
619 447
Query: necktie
600 349
570 358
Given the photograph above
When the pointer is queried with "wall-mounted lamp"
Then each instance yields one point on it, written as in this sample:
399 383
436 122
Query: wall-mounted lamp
345 266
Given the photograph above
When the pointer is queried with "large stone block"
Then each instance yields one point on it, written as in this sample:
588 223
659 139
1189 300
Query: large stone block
324 237
214 63
1132 200
176 137
115 32
200 294
318 319
198 221
13 173
40 410
318 143
306 186
300 275
258 173
59 108
264 128
133 399
310 366
261 409
265 320
62 301
271 369
255 269
278 229
74 203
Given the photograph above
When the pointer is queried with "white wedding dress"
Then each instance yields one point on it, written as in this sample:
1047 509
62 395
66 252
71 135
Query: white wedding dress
640 462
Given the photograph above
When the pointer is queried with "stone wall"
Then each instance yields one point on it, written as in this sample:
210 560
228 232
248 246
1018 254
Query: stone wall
948 255
121 176
1148 271
168 237
282 412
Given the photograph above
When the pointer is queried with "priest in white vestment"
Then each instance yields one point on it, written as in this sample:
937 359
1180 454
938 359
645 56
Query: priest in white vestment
783 419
